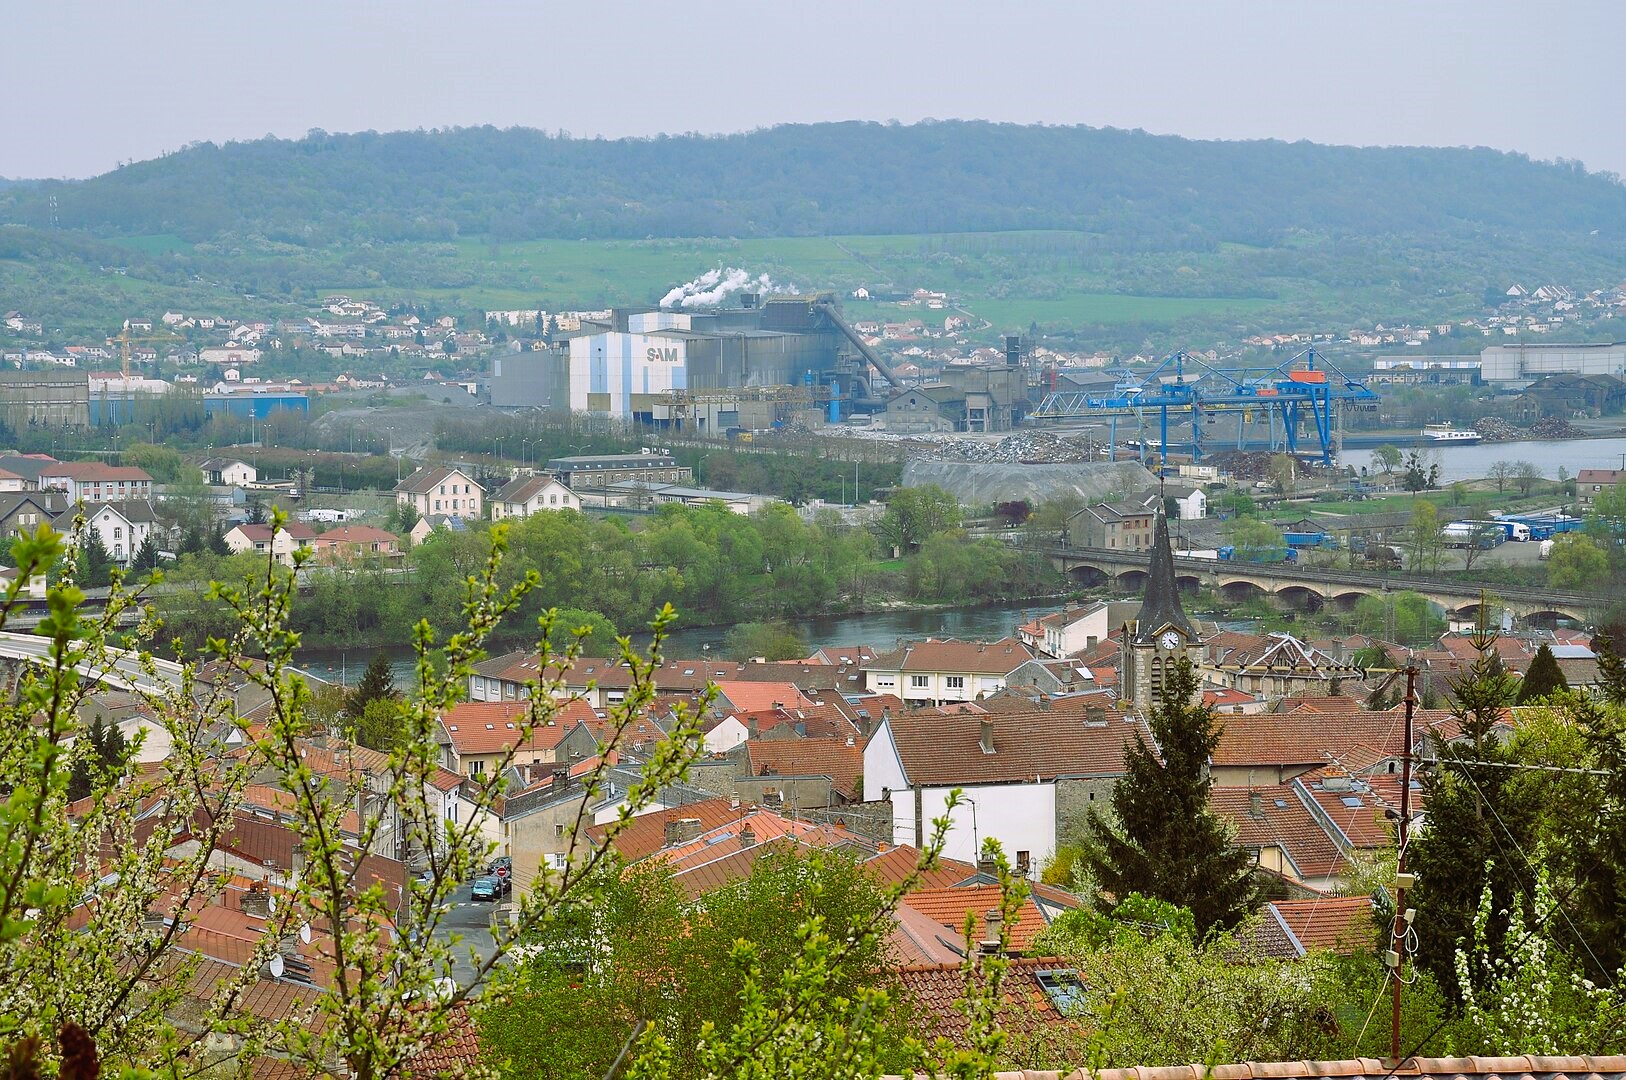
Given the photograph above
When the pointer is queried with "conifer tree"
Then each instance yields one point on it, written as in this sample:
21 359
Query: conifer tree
377 683
1544 677
95 564
1167 842
146 556
1479 817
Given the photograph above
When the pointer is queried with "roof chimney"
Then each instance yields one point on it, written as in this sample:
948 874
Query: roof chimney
1095 715
751 727
993 919
682 830
986 741
748 836
1256 805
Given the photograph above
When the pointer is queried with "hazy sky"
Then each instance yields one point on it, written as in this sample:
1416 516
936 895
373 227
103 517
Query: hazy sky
88 83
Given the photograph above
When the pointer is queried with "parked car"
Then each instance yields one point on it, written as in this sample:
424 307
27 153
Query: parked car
489 888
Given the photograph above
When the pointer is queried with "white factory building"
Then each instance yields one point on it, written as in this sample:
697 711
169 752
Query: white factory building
1526 362
610 372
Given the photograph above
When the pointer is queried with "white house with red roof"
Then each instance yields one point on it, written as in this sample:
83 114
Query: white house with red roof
93 481
441 491
355 541
527 495
294 536
1025 777
938 671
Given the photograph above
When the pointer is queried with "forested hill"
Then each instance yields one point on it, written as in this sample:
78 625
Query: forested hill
1146 191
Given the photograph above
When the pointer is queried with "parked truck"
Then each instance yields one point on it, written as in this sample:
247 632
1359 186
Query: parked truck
1547 526
1479 534
1310 540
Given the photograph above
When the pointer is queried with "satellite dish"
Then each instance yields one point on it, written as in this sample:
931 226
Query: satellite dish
271 904
445 987
305 933
277 966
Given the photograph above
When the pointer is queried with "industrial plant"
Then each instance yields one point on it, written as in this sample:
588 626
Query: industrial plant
759 362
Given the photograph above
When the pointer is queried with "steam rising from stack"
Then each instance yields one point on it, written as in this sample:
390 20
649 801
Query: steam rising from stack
714 286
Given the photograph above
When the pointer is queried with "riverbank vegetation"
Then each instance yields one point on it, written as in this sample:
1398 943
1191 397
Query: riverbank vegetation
726 568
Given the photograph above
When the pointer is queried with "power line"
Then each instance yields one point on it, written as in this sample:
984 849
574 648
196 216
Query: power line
1531 866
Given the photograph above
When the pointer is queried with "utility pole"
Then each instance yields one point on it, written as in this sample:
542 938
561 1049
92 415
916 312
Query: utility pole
1403 918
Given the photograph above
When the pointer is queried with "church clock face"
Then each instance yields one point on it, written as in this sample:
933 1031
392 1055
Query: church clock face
1170 640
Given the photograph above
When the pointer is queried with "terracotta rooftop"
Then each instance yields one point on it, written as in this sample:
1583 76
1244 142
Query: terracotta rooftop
490 727
936 990
425 480
739 695
646 833
937 749
949 907
1342 924
973 657
1275 816
840 759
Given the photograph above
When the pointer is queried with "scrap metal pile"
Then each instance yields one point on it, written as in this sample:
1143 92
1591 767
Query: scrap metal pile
1020 448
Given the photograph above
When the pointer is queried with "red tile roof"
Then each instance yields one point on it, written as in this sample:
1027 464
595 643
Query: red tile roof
738 695
938 750
490 727
840 759
261 534
1343 924
1276 817
1610 1067
95 471
972 657
949 907
356 534
1311 736
646 833
935 992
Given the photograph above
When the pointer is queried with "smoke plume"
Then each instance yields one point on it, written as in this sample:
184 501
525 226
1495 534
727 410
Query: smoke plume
714 286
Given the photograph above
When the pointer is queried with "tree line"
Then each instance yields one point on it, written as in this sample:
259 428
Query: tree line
724 567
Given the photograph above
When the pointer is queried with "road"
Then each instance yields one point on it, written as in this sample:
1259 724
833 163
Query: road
471 920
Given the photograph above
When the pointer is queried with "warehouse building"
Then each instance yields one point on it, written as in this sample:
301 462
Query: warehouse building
1527 362
44 399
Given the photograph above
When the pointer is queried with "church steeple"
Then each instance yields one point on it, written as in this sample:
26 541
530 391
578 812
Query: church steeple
1160 607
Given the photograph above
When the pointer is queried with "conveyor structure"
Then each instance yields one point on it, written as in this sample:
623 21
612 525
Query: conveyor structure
1306 392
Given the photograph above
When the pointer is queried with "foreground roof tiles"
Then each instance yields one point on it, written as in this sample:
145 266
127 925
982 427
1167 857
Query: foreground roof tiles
1610 1067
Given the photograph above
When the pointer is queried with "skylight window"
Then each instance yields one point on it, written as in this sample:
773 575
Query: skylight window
1064 989
1352 801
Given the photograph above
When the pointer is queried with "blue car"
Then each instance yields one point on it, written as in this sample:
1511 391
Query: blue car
489 888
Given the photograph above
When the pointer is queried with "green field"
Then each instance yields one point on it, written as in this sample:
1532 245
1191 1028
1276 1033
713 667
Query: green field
1062 281
985 272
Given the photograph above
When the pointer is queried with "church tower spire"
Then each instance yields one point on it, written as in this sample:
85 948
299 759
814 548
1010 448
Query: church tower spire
1160 607
1160 634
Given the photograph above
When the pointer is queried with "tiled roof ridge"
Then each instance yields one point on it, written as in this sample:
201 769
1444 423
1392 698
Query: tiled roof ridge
1531 1064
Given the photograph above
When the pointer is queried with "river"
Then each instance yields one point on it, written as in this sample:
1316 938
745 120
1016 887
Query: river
1474 462
878 629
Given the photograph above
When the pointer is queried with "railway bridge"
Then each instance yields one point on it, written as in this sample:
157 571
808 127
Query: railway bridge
1312 588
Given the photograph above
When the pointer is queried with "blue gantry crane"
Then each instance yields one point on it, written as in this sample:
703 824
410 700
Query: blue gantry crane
1303 391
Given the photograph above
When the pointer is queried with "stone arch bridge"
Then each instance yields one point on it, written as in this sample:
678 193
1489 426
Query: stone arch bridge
1312 588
